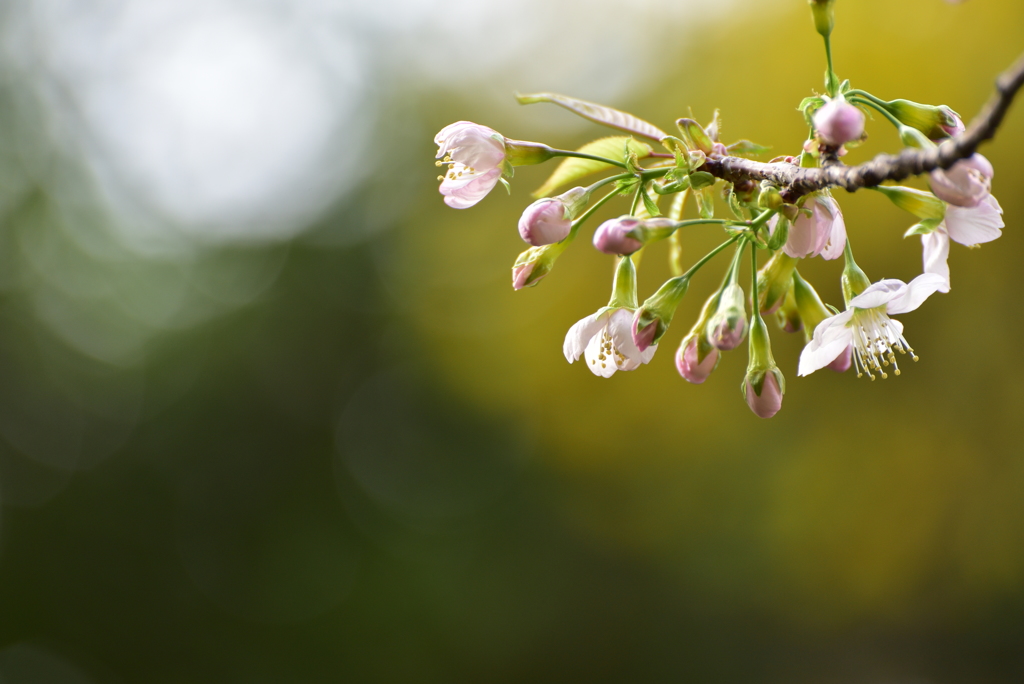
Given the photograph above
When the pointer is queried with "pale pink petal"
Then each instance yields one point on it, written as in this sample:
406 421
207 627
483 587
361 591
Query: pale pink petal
877 294
831 338
965 184
935 252
974 225
467 191
919 289
580 335
803 237
605 367
471 144
836 243
620 327
647 354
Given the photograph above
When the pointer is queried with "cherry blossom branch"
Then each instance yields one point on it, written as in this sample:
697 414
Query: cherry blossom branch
796 182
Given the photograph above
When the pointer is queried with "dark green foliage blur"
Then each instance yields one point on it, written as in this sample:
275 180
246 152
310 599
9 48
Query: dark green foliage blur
356 454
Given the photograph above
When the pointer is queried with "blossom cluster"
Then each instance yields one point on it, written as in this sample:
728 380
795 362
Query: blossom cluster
764 219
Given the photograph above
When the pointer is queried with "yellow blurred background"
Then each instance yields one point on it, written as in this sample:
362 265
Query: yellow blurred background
271 412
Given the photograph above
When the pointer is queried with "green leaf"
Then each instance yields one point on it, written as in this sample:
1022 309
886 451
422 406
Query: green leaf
734 205
745 148
812 102
572 169
598 113
701 179
673 186
625 186
705 203
649 206
694 135
925 227
831 83
808 106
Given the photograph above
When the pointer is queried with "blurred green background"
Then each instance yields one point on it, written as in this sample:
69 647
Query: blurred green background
271 412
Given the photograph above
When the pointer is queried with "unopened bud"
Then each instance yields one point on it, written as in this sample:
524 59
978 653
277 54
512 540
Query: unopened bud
766 402
763 385
549 220
839 122
695 358
770 197
824 16
695 136
619 236
935 122
533 264
728 324
788 315
773 282
544 222
652 319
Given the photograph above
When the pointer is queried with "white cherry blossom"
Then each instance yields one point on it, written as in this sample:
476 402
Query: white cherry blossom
822 232
866 327
605 339
475 155
969 226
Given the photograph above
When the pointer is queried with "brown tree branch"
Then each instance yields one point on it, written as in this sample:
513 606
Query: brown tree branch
796 182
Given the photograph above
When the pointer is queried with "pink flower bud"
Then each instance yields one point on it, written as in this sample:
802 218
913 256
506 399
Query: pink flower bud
544 222
613 236
965 184
521 274
687 364
839 122
770 401
644 337
728 325
958 125
726 335
841 363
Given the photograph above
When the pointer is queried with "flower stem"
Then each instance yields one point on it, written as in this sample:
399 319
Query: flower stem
710 255
584 155
873 103
832 80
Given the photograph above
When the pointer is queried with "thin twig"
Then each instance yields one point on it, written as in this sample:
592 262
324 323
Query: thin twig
796 182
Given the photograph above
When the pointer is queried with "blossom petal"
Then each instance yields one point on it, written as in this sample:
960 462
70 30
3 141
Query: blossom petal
802 240
620 327
831 338
580 334
877 294
919 289
836 244
467 191
601 367
974 225
647 354
935 252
